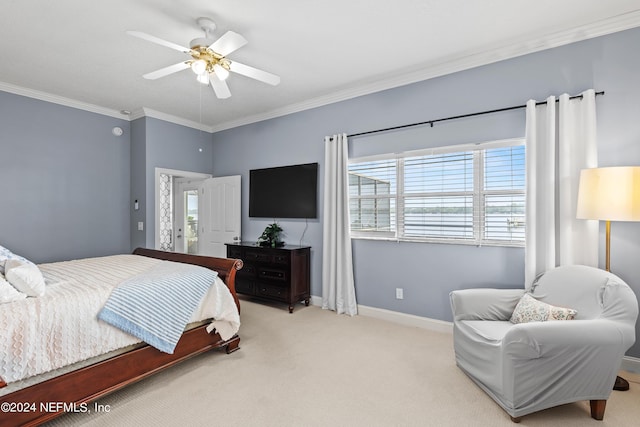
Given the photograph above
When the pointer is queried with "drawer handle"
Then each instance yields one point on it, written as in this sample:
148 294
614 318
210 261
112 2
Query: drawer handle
273 274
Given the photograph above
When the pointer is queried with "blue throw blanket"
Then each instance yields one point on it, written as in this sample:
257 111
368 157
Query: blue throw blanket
155 306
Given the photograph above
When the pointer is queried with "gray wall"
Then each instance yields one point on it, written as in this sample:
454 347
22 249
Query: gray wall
70 184
428 272
65 181
138 182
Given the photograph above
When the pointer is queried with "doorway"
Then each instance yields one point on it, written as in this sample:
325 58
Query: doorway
197 214
165 206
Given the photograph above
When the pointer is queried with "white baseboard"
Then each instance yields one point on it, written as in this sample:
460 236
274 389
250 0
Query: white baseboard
631 364
316 300
397 317
406 319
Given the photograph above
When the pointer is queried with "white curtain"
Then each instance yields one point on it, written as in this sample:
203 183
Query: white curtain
338 289
559 143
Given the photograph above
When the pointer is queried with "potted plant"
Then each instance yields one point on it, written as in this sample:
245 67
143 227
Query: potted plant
271 236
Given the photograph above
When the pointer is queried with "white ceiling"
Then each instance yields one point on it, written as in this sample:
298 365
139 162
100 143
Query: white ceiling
76 52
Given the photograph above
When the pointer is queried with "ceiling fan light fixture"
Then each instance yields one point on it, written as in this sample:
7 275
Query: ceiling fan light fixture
199 66
221 72
203 78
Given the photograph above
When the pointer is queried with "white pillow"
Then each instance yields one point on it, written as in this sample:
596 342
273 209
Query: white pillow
8 293
530 309
25 277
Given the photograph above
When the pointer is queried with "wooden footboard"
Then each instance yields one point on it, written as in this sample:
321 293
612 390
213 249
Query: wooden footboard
225 267
73 391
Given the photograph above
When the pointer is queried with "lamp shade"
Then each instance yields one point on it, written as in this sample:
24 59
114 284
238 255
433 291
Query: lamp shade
611 194
220 72
199 66
203 78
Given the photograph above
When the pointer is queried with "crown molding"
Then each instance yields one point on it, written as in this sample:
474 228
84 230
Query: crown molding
136 114
60 100
452 64
148 112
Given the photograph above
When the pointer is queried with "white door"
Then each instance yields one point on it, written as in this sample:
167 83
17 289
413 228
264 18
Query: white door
219 215
186 214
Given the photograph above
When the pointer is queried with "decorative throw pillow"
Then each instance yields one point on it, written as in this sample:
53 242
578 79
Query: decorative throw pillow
6 254
25 277
8 293
530 309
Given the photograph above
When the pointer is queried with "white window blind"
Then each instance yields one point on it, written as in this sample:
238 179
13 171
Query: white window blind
503 194
452 194
438 196
372 196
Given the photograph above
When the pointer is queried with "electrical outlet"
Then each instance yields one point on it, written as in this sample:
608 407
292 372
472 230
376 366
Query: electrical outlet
140 226
399 293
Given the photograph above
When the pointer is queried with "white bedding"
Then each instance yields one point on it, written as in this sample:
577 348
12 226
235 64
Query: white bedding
60 328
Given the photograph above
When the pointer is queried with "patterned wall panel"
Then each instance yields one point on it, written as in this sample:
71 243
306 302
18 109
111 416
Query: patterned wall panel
166 212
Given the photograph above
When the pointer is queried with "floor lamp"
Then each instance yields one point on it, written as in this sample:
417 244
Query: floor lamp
610 194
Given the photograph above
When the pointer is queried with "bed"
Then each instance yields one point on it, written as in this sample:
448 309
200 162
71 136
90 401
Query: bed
70 388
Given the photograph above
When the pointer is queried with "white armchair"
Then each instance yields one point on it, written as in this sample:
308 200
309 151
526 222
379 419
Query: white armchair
528 367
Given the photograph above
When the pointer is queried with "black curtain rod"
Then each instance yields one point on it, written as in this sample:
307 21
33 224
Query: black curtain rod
431 122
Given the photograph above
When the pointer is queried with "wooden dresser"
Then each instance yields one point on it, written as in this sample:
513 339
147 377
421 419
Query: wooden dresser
276 274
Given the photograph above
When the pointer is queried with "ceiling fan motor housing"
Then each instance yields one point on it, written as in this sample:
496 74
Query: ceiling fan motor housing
210 58
201 42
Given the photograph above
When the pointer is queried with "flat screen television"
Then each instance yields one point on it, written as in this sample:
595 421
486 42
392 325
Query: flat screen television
284 192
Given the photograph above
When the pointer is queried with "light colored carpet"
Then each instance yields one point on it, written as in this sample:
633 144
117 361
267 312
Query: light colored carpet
315 368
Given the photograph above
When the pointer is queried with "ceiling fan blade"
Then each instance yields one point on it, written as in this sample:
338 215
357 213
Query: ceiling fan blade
254 73
153 39
167 70
229 42
219 87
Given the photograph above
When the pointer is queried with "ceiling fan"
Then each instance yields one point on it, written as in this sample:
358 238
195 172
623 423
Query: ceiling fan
209 59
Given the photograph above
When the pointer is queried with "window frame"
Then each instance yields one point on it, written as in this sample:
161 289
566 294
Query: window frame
479 194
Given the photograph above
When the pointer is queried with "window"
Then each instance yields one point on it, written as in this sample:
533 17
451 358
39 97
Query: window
467 194
372 196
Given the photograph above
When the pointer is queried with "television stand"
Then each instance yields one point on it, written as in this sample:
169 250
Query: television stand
280 274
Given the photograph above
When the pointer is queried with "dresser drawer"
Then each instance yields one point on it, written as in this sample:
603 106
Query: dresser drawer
281 258
234 252
248 271
245 286
272 291
267 256
258 256
273 274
